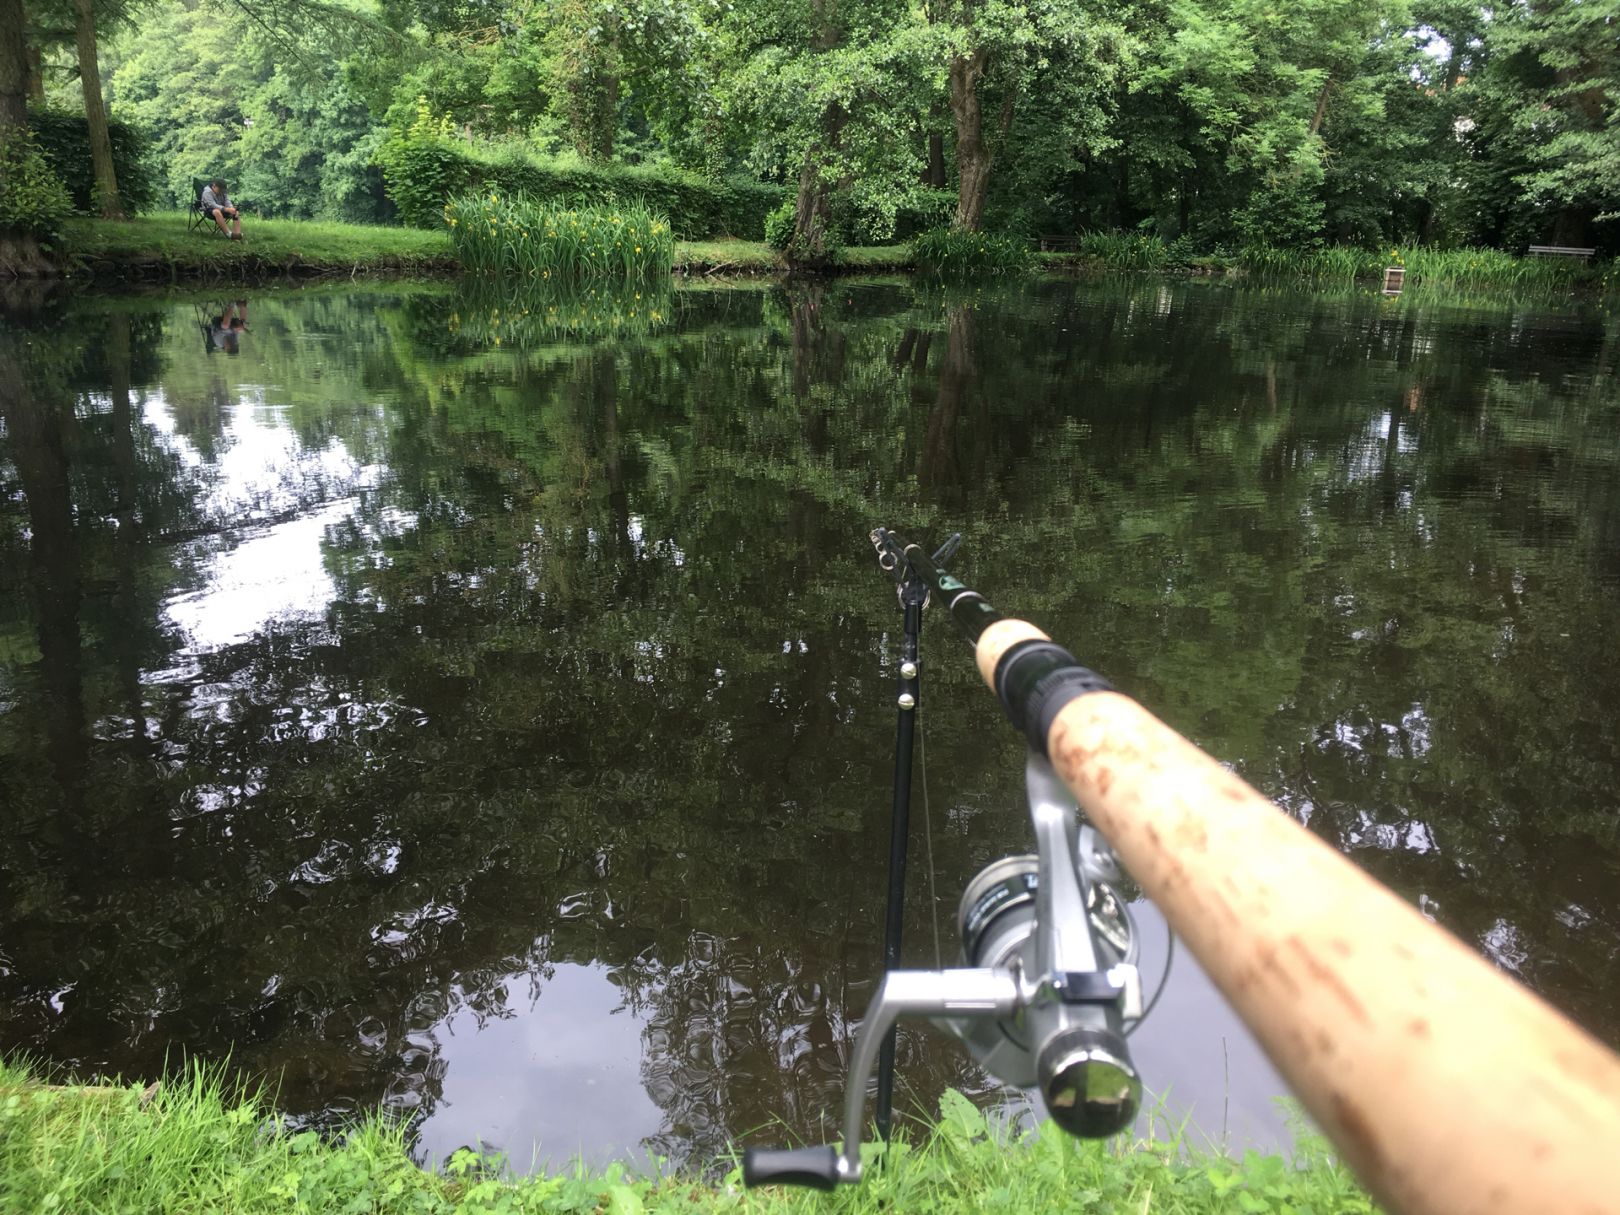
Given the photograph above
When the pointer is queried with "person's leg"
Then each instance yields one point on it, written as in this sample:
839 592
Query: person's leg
219 218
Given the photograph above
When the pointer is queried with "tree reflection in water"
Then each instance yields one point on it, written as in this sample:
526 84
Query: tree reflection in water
357 686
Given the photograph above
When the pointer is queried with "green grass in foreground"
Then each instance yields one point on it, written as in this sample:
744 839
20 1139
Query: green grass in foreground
194 1147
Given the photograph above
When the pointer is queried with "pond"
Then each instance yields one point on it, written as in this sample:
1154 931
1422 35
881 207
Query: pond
481 705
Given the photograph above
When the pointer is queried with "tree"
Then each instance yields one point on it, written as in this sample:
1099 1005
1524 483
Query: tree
1551 94
824 92
285 129
13 69
1013 53
95 111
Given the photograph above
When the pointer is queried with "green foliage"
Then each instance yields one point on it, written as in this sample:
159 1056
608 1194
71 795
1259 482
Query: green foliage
33 200
1552 97
269 110
198 1143
779 226
1231 122
64 140
424 166
951 253
925 209
519 235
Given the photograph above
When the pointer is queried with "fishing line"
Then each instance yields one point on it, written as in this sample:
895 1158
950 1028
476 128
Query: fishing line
928 840
1164 979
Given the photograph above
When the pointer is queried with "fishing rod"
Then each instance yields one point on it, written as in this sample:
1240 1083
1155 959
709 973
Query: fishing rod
1444 1084
1049 985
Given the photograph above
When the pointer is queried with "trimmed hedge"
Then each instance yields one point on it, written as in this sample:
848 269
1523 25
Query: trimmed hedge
425 167
64 139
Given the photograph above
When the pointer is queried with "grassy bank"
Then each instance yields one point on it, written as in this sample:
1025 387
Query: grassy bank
191 1146
159 246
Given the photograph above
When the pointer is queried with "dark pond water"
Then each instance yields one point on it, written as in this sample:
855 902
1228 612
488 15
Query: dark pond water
483 706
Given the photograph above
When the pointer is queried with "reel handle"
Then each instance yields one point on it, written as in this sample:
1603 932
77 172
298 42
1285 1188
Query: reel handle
813 1168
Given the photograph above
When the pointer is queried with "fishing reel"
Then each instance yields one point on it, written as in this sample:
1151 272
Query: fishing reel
1047 989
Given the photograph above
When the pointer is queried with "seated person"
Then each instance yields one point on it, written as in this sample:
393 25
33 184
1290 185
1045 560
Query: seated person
217 204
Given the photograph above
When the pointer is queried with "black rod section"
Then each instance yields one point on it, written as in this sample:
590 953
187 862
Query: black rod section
969 609
912 596
1034 679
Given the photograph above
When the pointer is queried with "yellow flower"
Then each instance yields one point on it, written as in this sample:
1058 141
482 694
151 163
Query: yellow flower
638 250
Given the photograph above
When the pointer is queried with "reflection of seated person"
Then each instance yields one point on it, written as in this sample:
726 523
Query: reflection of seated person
217 205
225 330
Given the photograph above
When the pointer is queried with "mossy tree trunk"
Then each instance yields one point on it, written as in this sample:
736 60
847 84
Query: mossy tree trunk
95 113
974 152
19 252
13 68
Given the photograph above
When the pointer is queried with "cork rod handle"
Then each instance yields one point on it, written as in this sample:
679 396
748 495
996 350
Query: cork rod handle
1447 1086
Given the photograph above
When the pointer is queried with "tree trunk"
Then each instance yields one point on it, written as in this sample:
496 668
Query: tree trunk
1573 228
1321 105
972 153
126 645
939 470
1425 234
935 176
607 115
38 427
811 246
36 75
13 68
19 254
95 113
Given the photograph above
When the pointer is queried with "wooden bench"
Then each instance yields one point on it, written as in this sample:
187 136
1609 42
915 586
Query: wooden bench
1561 251
1060 244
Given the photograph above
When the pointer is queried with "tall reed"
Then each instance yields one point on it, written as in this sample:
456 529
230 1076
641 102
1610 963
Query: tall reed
496 234
1126 250
1455 268
951 253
